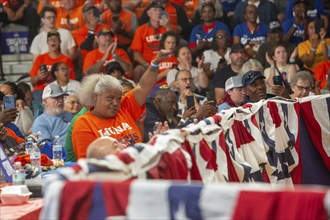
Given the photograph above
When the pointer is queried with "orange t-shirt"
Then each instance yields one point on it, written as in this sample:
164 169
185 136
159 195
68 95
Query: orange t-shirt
321 73
12 134
46 59
88 127
139 9
80 36
167 64
58 3
95 55
70 20
146 40
125 17
172 16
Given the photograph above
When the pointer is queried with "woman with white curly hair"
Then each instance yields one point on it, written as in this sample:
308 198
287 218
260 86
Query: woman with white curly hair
113 114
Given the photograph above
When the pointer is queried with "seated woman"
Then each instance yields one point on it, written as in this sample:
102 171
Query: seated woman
112 114
315 49
168 41
279 65
235 94
218 56
184 57
301 84
72 104
25 118
61 73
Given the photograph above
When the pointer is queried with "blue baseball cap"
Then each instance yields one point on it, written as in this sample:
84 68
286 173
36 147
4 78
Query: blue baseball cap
250 77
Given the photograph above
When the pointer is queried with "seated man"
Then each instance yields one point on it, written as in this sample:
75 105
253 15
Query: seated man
39 44
146 39
107 51
185 84
54 121
255 86
39 73
103 146
161 107
23 13
122 21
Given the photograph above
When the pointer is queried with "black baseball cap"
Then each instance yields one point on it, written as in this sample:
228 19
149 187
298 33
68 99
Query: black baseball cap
237 48
250 77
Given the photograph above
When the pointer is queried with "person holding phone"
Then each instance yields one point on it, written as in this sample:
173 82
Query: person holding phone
315 49
279 66
184 81
25 118
39 76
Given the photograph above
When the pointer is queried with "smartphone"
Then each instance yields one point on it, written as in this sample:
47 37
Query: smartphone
210 96
43 67
277 80
190 101
9 102
318 25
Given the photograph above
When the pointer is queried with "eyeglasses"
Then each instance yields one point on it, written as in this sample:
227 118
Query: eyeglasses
50 17
301 88
221 37
64 69
186 79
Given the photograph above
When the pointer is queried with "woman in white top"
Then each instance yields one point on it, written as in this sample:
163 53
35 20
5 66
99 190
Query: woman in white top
279 66
61 73
215 58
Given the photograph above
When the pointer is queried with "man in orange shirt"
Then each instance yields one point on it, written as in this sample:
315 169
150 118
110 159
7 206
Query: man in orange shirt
55 4
146 39
176 16
122 21
136 6
106 52
40 77
85 36
70 16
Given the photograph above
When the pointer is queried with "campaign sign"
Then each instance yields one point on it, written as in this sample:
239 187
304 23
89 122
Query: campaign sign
5 165
14 42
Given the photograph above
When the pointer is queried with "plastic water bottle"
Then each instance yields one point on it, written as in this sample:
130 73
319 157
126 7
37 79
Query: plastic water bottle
19 174
57 149
28 145
35 157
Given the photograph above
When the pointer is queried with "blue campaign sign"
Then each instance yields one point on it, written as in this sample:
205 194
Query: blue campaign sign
5 165
14 42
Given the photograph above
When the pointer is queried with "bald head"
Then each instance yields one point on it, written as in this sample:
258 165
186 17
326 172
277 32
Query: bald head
102 147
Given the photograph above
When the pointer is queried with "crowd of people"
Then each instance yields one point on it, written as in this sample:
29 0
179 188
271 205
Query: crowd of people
125 69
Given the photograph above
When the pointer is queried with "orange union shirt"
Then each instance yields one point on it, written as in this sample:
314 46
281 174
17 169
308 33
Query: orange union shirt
146 40
95 55
88 127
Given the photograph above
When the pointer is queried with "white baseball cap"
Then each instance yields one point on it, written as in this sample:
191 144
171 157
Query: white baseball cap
233 82
52 91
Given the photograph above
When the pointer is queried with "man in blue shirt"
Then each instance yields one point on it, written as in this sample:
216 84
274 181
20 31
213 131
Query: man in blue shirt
54 121
293 28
